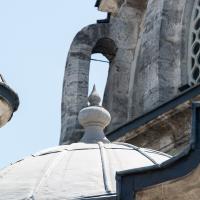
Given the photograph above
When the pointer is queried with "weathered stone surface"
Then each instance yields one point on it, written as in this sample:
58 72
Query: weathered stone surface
116 92
169 133
186 188
91 40
109 6
147 45
157 75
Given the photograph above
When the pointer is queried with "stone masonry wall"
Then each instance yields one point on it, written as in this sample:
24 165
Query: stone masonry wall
160 69
147 67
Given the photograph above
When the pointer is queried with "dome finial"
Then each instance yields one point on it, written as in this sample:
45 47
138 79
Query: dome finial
94 98
94 119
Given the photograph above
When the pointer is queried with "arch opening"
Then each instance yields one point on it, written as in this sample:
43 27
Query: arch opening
98 75
103 54
107 47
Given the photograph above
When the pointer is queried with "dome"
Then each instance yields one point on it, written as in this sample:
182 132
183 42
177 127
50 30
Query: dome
73 171
84 170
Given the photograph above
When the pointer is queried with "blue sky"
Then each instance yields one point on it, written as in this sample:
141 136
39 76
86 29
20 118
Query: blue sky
35 38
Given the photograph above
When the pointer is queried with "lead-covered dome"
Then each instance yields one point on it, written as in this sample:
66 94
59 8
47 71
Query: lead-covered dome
84 170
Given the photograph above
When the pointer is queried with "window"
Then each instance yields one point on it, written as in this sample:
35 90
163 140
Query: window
194 46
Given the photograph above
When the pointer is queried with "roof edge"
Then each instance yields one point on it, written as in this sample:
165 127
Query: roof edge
131 181
147 117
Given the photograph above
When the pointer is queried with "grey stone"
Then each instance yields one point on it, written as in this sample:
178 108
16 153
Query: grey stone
147 45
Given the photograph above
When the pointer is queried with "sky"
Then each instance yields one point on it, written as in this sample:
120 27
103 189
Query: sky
35 37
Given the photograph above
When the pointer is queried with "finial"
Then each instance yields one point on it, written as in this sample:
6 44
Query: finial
94 119
94 98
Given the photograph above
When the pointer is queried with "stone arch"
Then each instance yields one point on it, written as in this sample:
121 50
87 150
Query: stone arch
91 39
107 47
